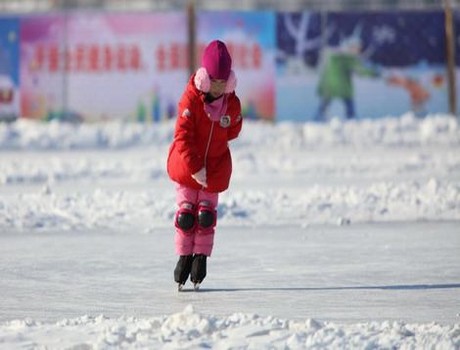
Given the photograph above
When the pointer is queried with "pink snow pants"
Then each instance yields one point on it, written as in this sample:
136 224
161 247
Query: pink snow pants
198 241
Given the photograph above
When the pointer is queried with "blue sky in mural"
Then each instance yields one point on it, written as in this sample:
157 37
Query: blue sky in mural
9 48
289 34
396 38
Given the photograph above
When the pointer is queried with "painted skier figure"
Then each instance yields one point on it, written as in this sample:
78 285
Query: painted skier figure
199 160
336 77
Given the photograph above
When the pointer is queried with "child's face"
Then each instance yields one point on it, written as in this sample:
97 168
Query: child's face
217 87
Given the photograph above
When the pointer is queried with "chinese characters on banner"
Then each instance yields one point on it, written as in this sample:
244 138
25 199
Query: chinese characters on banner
86 58
103 66
133 67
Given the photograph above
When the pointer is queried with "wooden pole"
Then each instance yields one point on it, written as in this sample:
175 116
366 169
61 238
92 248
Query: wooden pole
191 17
450 53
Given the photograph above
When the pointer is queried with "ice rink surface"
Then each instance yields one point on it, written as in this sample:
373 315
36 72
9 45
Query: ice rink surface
359 273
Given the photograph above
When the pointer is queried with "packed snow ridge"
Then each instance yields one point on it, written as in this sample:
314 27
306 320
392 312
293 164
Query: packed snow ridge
390 169
405 130
192 330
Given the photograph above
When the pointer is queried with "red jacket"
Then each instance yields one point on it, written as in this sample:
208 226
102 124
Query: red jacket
200 142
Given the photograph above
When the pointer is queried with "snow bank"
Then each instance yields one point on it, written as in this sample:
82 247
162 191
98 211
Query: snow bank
403 131
190 329
31 135
407 201
73 177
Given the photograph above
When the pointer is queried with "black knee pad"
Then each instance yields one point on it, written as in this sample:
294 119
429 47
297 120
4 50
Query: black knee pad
207 216
185 217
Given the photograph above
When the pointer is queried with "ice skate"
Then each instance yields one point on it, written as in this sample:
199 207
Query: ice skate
198 272
182 270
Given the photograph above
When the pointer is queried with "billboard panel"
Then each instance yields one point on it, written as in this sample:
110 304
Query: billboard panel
95 66
352 64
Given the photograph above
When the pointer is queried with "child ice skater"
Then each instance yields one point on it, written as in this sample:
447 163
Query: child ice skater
199 160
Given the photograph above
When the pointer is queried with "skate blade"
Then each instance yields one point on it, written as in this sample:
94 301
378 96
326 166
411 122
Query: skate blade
196 286
180 287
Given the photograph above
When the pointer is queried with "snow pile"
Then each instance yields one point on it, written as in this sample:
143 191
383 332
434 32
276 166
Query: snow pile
403 131
191 330
389 169
32 135
410 201
378 202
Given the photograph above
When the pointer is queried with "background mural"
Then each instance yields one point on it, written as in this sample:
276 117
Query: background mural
360 65
299 66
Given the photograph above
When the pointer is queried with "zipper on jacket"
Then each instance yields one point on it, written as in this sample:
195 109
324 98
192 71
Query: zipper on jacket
208 144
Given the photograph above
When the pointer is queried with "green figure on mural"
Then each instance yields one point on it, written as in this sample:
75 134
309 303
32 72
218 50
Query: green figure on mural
336 76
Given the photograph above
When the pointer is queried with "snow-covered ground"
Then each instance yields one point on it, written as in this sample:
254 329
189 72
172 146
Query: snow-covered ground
336 235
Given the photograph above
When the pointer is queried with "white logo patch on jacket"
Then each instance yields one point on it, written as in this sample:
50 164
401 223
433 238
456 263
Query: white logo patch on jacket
225 121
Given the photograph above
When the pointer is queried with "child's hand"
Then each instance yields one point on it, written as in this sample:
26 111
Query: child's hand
200 177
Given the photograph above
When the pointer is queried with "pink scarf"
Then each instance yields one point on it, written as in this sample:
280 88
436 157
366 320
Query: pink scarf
216 108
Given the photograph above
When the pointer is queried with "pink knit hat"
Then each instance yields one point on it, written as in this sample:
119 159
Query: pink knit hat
216 60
